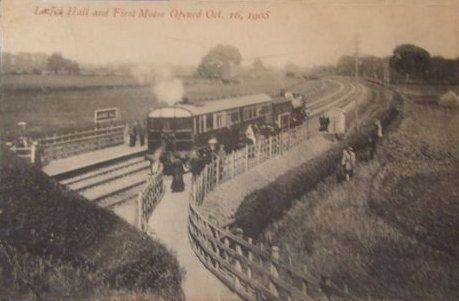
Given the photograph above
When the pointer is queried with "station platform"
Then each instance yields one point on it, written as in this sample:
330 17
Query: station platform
67 167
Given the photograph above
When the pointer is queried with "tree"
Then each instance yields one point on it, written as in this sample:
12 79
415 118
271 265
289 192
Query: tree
346 65
410 60
292 70
443 70
219 62
56 62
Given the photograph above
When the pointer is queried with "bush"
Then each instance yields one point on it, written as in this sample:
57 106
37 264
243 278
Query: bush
43 224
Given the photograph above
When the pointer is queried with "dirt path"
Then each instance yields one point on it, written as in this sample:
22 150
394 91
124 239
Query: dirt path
168 225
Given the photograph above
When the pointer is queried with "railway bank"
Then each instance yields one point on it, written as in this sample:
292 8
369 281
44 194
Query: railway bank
390 233
263 207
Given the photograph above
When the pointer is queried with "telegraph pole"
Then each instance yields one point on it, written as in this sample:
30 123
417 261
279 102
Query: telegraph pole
357 81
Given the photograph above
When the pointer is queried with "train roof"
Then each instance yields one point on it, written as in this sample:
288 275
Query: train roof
188 110
281 100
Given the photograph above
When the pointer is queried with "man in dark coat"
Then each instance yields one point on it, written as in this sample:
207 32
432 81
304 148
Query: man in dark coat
178 185
132 136
141 131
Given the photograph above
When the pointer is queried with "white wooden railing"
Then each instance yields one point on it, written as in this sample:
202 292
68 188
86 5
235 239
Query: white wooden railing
148 199
62 146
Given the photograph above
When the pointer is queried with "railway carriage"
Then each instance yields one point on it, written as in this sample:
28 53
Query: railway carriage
186 126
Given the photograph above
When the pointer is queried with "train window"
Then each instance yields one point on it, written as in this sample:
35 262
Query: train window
183 123
232 117
209 121
159 124
202 124
219 119
248 113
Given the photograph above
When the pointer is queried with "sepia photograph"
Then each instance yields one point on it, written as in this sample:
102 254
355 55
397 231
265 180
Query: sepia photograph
278 150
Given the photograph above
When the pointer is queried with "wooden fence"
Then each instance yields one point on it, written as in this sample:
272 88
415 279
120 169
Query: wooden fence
148 198
62 146
251 271
27 153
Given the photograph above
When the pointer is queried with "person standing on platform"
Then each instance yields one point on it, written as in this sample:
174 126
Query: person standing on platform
126 133
136 131
132 135
141 129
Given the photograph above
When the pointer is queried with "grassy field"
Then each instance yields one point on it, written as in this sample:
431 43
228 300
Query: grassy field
56 245
32 83
390 233
55 104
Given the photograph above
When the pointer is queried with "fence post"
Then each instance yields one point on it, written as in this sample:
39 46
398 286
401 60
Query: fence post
204 178
270 146
275 257
217 172
33 149
258 151
246 157
273 270
281 138
233 163
139 211
249 253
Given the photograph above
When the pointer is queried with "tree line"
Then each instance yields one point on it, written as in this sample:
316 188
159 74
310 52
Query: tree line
407 64
38 63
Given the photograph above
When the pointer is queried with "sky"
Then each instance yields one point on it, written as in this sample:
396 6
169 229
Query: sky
307 33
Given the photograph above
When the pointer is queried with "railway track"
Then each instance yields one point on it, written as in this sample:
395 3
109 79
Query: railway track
112 184
340 98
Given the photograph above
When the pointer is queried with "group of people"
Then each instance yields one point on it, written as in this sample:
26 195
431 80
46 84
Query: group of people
136 131
348 158
176 165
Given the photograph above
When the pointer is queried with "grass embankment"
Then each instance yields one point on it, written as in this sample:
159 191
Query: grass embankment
56 245
263 206
392 232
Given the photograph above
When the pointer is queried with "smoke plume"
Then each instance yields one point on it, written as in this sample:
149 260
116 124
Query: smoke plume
167 88
163 84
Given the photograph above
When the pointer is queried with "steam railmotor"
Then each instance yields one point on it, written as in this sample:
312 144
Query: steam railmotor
186 126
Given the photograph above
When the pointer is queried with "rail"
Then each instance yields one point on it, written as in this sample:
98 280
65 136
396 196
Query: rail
62 146
149 198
